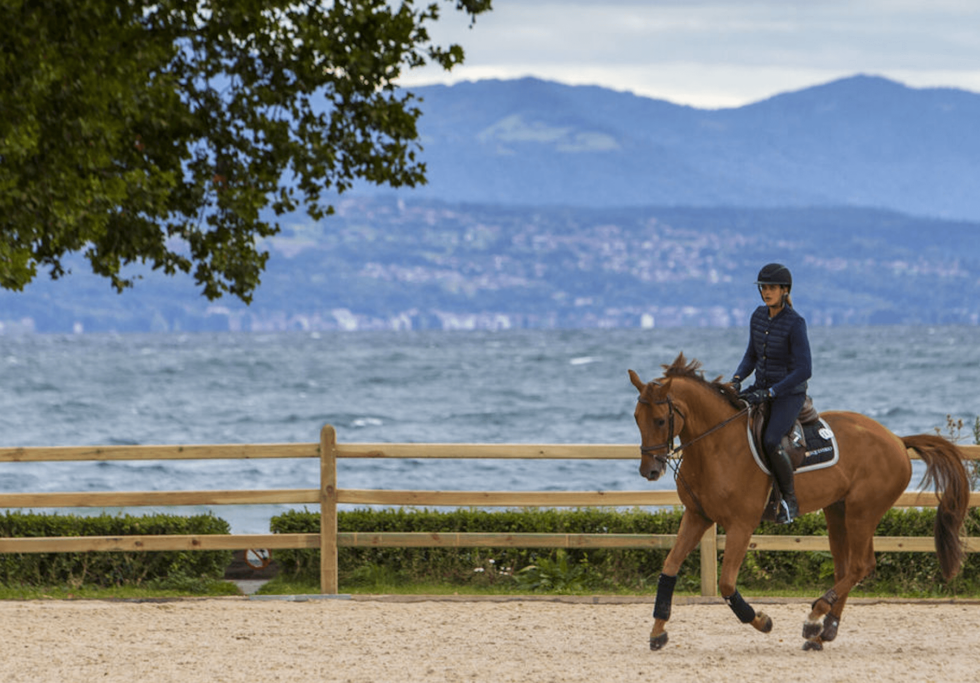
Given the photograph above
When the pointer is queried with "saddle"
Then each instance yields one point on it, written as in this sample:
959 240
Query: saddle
795 442
810 444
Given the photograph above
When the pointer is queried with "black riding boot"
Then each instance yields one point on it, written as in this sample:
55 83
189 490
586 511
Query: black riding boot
782 470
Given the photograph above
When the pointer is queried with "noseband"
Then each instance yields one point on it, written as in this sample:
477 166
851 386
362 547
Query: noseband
669 451
668 445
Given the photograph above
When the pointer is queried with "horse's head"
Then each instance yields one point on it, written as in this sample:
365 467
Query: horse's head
659 422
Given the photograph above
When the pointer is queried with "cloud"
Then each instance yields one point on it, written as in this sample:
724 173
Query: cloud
712 53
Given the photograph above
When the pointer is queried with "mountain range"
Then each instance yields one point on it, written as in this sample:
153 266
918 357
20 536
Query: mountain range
557 206
861 141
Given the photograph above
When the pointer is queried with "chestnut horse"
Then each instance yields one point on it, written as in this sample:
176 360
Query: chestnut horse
718 481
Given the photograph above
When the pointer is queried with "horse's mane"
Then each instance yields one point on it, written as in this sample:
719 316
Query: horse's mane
692 370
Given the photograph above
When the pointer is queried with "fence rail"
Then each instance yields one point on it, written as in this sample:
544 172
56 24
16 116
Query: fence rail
328 496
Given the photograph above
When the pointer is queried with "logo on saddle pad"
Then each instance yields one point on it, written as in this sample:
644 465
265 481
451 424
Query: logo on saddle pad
811 443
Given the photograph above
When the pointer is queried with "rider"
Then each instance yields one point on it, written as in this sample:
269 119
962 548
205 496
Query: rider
779 354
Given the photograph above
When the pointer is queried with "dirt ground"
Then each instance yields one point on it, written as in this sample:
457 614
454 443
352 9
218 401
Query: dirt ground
433 640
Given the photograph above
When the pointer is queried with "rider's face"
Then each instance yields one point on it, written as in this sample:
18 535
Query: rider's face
772 295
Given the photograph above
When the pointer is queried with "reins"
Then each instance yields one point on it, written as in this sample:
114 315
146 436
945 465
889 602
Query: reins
672 451
670 456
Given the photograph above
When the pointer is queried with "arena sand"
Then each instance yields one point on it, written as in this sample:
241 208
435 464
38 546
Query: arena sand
433 640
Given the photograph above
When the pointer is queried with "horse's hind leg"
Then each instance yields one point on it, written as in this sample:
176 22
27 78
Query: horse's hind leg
691 530
837 535
838 548
856 550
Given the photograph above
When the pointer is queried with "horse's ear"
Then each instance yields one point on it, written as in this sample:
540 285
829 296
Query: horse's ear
635 379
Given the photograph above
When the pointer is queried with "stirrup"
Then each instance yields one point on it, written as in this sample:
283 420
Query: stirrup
783 513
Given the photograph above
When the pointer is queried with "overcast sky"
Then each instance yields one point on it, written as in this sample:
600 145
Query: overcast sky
712 53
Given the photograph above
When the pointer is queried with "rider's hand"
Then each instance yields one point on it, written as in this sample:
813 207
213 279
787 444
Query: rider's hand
756 397
736 385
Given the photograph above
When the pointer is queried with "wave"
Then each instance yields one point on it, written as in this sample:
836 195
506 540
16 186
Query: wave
565 386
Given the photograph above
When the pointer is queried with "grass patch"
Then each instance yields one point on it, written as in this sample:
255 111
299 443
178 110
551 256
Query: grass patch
284 586
88 592
281 586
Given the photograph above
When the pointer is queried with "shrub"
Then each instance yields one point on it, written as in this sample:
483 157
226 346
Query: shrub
601 569
158 569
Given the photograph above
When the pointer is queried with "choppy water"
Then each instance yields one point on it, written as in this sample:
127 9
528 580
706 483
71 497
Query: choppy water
472 387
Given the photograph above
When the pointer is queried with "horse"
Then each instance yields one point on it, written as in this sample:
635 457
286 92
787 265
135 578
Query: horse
719 482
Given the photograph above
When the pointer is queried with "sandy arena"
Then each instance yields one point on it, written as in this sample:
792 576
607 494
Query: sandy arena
379 640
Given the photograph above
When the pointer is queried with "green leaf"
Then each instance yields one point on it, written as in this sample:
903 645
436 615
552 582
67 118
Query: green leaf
166 132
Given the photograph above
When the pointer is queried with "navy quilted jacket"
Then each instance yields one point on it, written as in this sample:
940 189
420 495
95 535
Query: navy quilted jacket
778 352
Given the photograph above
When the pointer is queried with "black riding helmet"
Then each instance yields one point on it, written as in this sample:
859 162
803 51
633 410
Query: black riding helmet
775 274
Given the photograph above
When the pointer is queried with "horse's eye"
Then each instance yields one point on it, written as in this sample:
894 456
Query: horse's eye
661 422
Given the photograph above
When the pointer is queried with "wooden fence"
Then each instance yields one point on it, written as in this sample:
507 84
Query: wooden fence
328 496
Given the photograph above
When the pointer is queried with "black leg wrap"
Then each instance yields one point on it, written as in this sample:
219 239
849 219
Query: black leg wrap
830 626
665 595
742 610
830 597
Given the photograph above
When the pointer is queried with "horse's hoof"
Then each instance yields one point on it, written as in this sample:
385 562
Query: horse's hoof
830 624
658 642
762 622
812 629
814 645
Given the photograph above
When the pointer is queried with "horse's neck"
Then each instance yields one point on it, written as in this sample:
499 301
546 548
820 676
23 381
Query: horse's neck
712 447
704 409
717 468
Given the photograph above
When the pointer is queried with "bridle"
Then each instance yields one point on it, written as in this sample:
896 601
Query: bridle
670 452
668 445
670 456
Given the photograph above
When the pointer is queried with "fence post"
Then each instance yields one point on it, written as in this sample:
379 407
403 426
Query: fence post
709 562
328 511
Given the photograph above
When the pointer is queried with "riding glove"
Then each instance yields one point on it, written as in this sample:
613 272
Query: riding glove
756 397
736 385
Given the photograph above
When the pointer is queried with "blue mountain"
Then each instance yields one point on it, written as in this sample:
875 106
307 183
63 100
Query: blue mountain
558 206
862 142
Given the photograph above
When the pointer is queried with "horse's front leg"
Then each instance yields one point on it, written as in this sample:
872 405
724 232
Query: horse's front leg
736 545
689 534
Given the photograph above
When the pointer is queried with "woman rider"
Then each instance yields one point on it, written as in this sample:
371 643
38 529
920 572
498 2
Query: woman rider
779 354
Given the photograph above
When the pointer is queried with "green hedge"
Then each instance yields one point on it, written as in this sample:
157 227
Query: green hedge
906 573
617 570
157 569
486 566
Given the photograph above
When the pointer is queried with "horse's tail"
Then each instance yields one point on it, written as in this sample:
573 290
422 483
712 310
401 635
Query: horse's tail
945 470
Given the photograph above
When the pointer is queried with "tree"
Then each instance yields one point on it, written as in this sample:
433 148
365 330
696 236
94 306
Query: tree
173 132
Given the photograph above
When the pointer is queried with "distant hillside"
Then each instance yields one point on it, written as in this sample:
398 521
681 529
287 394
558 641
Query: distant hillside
558 206
861 141
387 264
